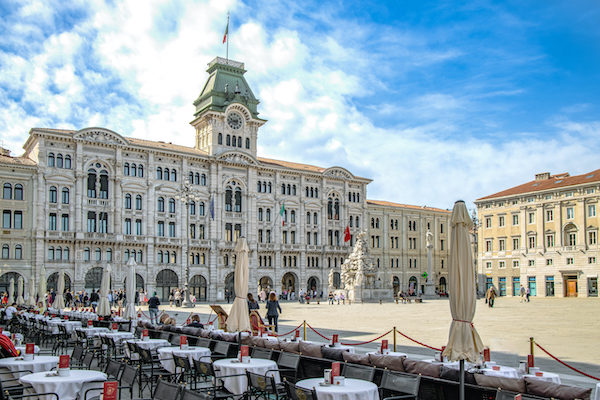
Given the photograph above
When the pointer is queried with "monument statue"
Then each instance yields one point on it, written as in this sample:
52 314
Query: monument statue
429 239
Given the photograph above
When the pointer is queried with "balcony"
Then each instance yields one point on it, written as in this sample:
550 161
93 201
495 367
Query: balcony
97 236
291 247
266 246
59 235
98 202
337 249
199 243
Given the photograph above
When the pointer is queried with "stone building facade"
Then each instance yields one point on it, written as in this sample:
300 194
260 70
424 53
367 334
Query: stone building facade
542 235
92 197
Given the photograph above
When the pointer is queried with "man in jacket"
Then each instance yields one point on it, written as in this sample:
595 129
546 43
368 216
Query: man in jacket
153 304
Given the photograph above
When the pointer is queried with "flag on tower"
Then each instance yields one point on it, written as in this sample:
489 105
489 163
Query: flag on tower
226 30
281 212
347 235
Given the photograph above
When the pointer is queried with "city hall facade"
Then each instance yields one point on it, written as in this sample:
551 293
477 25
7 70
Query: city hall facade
80 200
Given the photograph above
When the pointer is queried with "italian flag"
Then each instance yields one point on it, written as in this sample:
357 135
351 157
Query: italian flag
281 212
226 31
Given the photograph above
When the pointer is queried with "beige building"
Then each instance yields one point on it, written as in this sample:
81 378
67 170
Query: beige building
79 200
542 235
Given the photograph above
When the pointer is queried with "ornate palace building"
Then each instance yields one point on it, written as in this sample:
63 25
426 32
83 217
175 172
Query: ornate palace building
543 235
79 200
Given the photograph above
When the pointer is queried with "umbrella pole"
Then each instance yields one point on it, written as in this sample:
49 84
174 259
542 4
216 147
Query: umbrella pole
461 386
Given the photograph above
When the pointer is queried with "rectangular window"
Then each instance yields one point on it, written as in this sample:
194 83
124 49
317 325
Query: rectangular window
18 220
515 243
260 236
592 237
501 220
228 232
516 283
501 264
488 245
531 263
127 226
549 215
488 222
441 244
172 229
52 222
138 226
488 264
532 285
161 228
531 242
591 260
515 219
569 260
549 286
501 244
549 261
237 231
502 286
515 263
285 237
591 210
531 217
550 240
65 222
91 221
571 239
570 213
6 219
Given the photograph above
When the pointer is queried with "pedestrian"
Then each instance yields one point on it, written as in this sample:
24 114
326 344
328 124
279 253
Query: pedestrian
153 304
171 298
272 310
343 298
94 298
522 294
490 296
227 295
527 294
177 298
252 304
330 297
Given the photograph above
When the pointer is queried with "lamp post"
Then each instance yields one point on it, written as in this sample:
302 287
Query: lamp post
186 195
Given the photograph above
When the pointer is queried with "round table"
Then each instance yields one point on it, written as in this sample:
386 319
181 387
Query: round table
336 347
504 372
116 337
91 331
450 364
22 349
66 387
239 384
547 376
69 325
37 364
149 344
194 353
353 389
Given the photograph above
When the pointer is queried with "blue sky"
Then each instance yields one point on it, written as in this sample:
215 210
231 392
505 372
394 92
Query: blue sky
434 100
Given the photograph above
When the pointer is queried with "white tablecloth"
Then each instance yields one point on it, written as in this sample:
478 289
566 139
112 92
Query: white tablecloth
22 349
67 387
90 332
17 335
338 346
391 353
69 325
38 364
450 364
504 372
150 344
194 353
353 389
239 384
116 337
547 376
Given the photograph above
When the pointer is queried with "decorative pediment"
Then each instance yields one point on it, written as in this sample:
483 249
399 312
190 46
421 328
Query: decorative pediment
338 172
100 135
235 157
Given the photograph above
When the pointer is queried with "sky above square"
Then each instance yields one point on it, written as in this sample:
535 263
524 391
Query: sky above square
433 100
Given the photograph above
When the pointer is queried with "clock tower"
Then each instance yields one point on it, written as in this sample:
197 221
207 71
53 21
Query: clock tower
226 117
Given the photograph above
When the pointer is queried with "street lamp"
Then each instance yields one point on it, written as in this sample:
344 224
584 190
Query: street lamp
186 195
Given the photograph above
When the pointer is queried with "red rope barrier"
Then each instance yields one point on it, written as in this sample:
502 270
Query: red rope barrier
315 331
368 341
285 334
416 341
565 364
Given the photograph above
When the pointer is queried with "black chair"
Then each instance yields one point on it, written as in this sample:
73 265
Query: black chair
188 394
399 386
166 391
86 361
165 335
203 342
221 350
506 395
184 371
113 369
128 377
77 355
212 385
150 369
355 371
297 393
258 352
287 365
263 386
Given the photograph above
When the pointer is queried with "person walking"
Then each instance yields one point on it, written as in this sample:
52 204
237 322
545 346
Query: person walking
490 296
227 295
177 298
330 297
527 294
272 310
94 298
153 304
522 294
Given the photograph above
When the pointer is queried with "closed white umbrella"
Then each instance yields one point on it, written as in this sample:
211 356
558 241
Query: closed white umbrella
31 295
59 300
464 342
42 287
104 305
11 291
239 320
20 300
130 290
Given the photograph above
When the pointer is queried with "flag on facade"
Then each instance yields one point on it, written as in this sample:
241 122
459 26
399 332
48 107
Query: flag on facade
347 235
212 208
281 212
226 30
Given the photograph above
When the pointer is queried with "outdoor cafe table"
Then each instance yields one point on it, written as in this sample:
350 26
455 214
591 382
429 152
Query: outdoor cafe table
337 346
391 353
66 387
150 344
36 349
91 331
352 389
165 354
17 335
69 325
116 337
16 365
504 372
239 384
450 364
546 376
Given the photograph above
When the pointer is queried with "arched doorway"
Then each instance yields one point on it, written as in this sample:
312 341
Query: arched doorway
5 282
198 287
288 282
396 285
265 283
313 284
139 282
229 284
442 287
52 282
166 280
337 280
413 283
93 279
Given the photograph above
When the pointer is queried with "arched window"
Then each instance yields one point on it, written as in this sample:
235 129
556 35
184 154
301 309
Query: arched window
238 200
159 173
315 219
220 138
126 169
65 196
191 177
260 214
86 254
357 222
247 143
283 188
268 215
172 205
139 256
201 208
18 194
103 184
7 191
203 179
316 192
133 170
91 183
52 194
192 208
269 187
289 189
358 197
68 162
330 208
5 251
294 190
293 217
264 187
258 186
307 192
141 171
161 204
98 254
228 140
138 202
166 174
234 141
160 256
349 196
18 252
59 161
108 255
127 201
50 251
336 209
239 141
377 223
228 199
174 175
51 159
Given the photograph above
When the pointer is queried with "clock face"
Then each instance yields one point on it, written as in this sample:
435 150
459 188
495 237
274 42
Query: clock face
234 120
